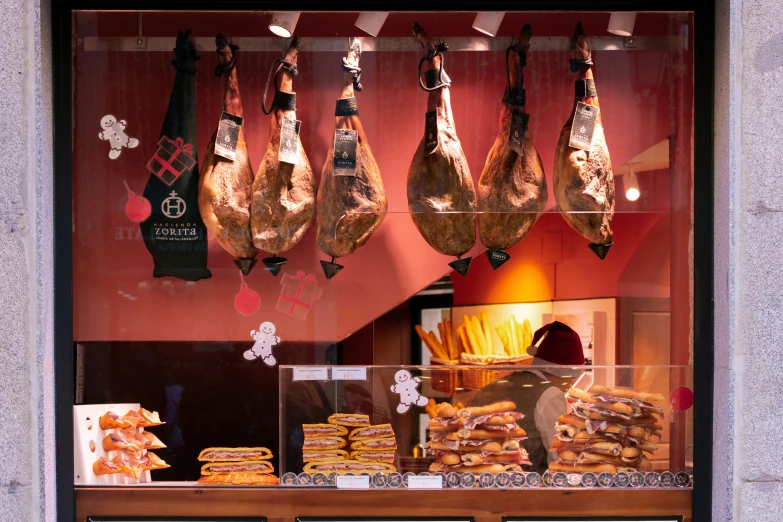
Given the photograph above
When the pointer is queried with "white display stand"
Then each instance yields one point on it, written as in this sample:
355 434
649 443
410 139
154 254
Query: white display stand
86 430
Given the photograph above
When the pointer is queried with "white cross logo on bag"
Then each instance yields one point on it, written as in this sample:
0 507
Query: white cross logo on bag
173 206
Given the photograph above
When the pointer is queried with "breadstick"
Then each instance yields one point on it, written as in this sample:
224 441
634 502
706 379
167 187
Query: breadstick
479 332
503 337
512 334
463 338
528 333
425 338
520 332
487 333
450 339
475 347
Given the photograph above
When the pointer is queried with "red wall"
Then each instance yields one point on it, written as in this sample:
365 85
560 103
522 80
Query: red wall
115 294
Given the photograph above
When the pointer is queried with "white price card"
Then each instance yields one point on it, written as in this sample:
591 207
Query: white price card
349 373
350 482
425 482
311 373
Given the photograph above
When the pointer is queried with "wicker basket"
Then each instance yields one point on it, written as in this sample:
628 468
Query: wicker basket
477 378
446 381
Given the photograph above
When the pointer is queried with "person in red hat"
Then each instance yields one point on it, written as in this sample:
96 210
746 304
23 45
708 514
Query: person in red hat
538 391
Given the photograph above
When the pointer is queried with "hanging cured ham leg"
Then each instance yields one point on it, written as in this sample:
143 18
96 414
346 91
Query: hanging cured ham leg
284 188
512 187
583 180
351 199
226 185
441 197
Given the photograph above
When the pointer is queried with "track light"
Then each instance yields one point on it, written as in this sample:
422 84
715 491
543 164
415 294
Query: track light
283 24
488 23
621 24
631 184
371 22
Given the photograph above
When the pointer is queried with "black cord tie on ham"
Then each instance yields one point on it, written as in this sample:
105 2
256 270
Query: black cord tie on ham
432 82
577 65
282 100
515 95
227 68
356 72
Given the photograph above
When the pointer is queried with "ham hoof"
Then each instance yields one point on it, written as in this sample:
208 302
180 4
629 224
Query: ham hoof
330 269
497 258
274 264
461 265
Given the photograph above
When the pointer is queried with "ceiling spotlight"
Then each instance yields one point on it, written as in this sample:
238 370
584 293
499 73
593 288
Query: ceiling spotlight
488 23
621 24
283 24
371 22
631 185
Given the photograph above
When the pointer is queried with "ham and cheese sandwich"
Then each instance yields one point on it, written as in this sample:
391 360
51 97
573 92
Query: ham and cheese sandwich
246 466
375 445
324 455
345 466
324 430
234 454
372 432
349 419
373 456
323 443
239 479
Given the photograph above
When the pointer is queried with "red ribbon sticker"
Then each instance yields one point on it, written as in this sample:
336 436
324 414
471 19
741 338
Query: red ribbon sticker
298 295
246 301
138 208
172 158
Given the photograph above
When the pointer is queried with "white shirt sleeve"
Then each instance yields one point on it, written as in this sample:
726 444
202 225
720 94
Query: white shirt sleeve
551 405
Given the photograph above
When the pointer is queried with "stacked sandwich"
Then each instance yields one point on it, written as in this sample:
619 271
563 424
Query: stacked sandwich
372 447
609 430
131 442
237 466
482 439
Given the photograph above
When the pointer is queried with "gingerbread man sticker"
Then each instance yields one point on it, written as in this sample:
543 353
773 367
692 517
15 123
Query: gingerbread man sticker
114 132
265 339
407 388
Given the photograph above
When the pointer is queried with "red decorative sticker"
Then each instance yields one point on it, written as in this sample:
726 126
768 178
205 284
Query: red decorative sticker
681 399
171 160
137 208
298 295
246 301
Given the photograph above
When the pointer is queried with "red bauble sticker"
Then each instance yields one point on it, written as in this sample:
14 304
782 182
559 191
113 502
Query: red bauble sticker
138 208
247 301
680 399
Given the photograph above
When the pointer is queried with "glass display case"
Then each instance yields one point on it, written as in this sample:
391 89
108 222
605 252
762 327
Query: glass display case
571 424
431 226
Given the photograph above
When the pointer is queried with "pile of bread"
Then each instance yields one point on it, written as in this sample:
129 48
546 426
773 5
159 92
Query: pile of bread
128 443
372 448
608 430
479 439
237 466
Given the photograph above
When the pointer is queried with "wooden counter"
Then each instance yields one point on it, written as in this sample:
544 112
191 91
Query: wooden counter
285 504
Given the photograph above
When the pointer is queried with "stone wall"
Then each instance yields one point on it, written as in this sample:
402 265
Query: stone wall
748 478
26 232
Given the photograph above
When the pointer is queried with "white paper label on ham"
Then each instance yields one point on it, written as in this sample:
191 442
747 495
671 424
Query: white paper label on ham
227 136
289 144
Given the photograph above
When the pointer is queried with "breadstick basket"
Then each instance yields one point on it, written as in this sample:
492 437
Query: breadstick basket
446 380
477 378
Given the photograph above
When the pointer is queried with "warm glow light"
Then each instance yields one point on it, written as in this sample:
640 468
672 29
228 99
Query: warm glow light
622 24
631 183
371 22
488 23
283 24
